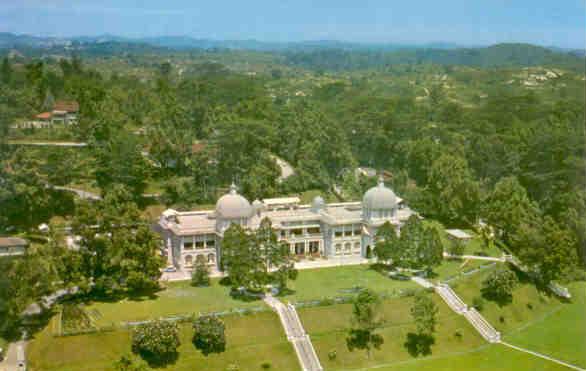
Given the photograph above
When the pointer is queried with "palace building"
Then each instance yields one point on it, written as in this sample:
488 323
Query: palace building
320 229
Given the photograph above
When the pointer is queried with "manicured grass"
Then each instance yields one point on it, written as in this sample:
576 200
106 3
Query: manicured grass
178 298
328 327
487 357
453 267
528 303
314 284
251 340
560 332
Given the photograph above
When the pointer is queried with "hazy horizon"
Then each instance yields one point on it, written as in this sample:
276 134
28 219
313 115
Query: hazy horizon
459 22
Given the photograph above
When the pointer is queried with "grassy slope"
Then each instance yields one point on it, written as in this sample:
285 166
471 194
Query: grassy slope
328 328
488 358
328 282
560 332
99 351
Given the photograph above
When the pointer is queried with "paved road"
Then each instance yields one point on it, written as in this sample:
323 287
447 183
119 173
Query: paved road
46 143
85 195
286 168
10 361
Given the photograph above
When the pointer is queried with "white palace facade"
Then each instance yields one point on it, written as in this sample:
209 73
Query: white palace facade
317 230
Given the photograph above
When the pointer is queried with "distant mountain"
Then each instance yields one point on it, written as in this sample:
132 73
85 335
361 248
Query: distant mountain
499 55
319 54
9 40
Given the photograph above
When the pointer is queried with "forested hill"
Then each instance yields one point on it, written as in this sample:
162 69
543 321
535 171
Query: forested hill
499 55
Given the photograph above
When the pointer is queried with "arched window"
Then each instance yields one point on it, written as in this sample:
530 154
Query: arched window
338 248
211 258
357 246
200 258
188 261
347 247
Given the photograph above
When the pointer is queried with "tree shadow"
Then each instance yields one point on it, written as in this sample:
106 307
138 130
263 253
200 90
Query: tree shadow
285 291
244 295
381 268
500 300
225 281
160 361
206 348
419 344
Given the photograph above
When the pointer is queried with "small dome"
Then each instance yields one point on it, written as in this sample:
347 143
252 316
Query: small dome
379 198
317 204
233 206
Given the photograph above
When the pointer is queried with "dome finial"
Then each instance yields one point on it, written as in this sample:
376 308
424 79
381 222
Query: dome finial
381 181
233 188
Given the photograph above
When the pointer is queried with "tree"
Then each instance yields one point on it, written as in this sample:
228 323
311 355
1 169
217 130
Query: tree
546 248
240 258
156 341
6 70
275 255
388 246
421 244
118 249
130 363
200 275
24 196
120 161
209 336
452 194
499 285
366 319
424 313
508 206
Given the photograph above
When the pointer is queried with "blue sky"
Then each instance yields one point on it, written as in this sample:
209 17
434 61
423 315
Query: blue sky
468 22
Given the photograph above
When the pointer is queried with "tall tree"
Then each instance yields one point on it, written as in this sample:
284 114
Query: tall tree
6 70
118 249
508 206
388 245
452 193
424 312
366 320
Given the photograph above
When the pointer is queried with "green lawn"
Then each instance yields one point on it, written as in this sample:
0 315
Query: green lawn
178 298
251 340
559 332
528 303
328 326
488 358
451 268
313 284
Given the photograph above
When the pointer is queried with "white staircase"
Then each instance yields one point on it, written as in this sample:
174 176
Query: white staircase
481 325
451 298
296 334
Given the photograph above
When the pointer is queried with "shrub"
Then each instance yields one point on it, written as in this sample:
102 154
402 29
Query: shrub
209 336
200 275
157 339
456 248
458 334
266 365
499 285
478 303
332 354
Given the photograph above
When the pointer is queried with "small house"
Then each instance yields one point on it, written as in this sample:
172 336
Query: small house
12 246
458 235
